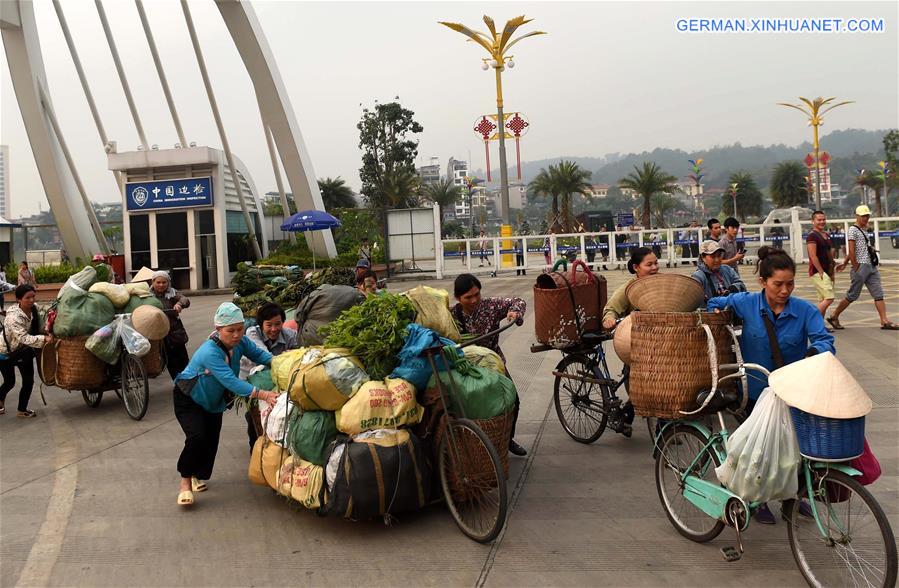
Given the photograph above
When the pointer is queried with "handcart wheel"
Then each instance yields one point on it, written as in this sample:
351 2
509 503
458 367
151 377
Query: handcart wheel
92 398
135 389
582 407
472 479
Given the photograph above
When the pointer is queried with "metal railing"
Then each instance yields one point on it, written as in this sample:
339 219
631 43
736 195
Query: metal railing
673 247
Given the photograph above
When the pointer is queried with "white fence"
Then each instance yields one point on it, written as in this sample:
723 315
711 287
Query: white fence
672 246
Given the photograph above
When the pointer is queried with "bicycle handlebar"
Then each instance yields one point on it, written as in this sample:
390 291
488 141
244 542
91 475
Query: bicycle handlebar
517 322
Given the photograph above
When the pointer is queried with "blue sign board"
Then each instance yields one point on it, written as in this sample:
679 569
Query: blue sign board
625 219
168 194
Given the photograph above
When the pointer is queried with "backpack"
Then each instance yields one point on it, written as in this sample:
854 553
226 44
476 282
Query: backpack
872 253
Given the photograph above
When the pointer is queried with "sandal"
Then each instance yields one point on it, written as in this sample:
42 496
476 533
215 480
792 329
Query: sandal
889 327
2 408
185 498
835 323
27 414
198 485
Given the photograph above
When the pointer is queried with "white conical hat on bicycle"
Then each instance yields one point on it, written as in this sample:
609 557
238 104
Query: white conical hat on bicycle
821 385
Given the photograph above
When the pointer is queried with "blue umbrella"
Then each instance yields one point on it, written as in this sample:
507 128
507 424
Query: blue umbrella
310 220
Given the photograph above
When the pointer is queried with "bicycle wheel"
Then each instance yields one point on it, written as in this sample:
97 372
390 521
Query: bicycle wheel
582 407
678 448
472 480
858 547
135 389
92 398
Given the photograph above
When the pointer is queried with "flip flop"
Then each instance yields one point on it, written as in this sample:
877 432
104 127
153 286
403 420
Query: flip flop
890 327
28 414
185 498
2 410
835 323
198 485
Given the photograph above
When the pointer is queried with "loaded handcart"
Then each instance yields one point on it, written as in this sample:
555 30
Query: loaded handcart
107 337
362 436
69 365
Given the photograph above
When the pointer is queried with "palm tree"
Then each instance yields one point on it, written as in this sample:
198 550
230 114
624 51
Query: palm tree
336 194
648 181
543 185
788 185
400 188
442 193
569 178
663 207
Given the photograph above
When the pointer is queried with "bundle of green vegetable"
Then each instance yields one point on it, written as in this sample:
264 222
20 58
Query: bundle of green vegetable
253 278
373 331
286 290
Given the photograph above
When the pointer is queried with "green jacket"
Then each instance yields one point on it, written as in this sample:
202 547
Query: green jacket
618 305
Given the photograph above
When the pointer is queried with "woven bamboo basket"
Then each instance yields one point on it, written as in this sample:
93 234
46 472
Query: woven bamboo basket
665 293
76 367
670 360
478 466
153 359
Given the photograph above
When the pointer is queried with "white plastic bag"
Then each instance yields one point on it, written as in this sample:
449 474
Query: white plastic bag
276 421
135 343
762 454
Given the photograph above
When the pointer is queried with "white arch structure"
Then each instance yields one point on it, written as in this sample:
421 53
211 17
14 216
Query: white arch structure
71 209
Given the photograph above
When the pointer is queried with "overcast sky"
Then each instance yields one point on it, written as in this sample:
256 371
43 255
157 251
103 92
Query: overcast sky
609 76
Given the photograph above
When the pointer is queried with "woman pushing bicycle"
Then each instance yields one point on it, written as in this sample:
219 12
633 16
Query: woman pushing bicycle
778 329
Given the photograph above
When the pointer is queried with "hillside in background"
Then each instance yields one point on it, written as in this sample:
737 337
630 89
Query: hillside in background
850 149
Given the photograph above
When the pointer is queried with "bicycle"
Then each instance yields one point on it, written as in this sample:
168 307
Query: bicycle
584 392
848 540
472 477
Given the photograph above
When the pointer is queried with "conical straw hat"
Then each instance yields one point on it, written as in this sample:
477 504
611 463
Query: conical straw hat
143 275
665 293
822 386
622 340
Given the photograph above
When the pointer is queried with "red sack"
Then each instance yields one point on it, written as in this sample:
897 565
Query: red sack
868 465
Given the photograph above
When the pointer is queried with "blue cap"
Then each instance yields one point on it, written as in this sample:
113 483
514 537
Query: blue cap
363 263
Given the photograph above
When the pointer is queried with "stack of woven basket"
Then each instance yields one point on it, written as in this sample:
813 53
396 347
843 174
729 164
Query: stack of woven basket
670 348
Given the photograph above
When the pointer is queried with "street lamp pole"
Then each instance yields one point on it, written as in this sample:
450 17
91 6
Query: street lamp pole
885 169
497 44
815 111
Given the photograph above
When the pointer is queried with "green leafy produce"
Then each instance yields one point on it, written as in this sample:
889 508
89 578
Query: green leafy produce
287 290
373 331
253 278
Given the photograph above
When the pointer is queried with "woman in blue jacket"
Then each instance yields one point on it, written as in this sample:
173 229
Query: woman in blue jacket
798 326
201 396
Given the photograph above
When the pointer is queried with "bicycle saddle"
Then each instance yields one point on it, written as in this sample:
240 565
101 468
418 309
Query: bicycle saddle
722 400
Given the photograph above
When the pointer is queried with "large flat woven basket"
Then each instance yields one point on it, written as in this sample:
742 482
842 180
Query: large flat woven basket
670 360
76 367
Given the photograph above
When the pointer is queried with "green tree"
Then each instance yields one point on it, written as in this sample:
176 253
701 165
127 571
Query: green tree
749 197
443 193
788 185
336 194
891 146
388 149
663 208
543 185
646 182
569 178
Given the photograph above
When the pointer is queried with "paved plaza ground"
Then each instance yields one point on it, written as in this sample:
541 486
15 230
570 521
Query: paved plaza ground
87 496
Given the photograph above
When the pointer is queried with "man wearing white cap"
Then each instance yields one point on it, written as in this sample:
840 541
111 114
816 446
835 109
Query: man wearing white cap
716 279
864 272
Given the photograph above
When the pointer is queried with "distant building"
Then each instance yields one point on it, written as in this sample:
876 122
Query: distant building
597 190
629 192
4 181
430 174
457 171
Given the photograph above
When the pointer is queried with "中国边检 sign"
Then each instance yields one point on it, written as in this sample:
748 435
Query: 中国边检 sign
168 194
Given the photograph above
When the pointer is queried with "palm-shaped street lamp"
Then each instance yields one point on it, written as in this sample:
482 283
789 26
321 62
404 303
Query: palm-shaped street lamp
497 45
815 110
